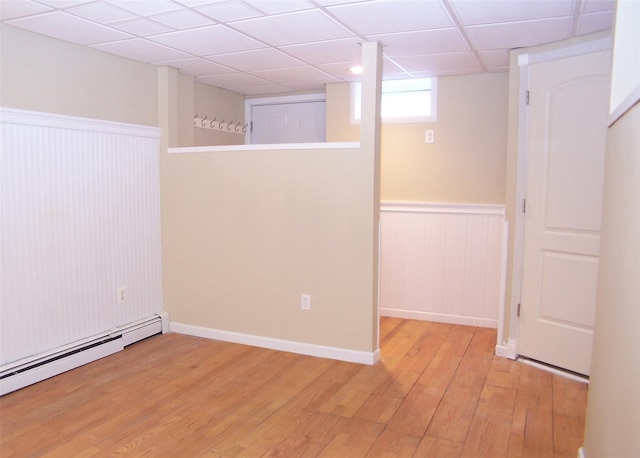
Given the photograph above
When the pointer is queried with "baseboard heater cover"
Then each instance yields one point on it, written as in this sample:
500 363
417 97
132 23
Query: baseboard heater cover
20 374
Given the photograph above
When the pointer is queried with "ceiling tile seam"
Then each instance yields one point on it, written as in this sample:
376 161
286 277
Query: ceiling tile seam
449 8
578 8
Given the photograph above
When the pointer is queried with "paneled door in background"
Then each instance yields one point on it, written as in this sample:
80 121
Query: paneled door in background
302 122
566 132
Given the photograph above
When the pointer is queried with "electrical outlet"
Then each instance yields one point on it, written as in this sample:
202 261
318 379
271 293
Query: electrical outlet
305 302
122 294
429 136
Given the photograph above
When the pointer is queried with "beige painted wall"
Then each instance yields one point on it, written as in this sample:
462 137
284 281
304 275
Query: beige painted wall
48 75
613 408
467 162
247 232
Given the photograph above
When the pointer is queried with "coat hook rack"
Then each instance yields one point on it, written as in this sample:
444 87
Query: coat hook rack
203 122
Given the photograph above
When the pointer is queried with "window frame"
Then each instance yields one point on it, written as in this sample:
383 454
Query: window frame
355 101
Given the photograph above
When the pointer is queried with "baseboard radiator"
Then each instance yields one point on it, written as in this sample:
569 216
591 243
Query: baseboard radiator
442 262
28 371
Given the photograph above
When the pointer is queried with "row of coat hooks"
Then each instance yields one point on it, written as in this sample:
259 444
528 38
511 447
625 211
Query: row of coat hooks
222 125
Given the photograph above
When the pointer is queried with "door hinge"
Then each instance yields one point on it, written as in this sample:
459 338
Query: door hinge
251 126
526 98
524 205
518 310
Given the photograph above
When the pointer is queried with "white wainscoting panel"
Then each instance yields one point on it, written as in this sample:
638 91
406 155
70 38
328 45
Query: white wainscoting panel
80 218
442 262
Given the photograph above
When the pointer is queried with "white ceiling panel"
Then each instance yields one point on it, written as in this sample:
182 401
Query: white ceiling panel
147 7
229 11
595 22
141 50
292 28
182 19
279 6
104 13
421 42
386 16
196 66
268 46
519 34
15 9
471 13
216 39
142 27
69 28
296 75
323 52
258 59
462 62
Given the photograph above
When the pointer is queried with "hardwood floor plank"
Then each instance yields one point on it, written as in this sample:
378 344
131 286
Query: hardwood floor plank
439 391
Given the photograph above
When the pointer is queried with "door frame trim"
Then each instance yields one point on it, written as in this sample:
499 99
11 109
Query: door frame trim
524 61
276 100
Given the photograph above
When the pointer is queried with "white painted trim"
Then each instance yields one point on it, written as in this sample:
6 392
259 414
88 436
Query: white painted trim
439 317
503 282
322 351
553 370
581 453
508 350
438 207
40 119
599 44
629 101
264 147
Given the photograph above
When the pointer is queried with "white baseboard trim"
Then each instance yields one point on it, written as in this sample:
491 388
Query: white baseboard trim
341 354
439 317
581 453
507 351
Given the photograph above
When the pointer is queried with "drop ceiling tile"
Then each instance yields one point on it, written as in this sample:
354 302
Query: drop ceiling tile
385 16
141 50
519 34
142 27
196 66
69 28
12 9
182 19
63 3
257 59
147 7
279 6
492 11
323 52
292 28
437 64
232 80
307 86
204 41
421 42
594 6
261 89
341 70
229 11
195 3
495 57
296 75
595 22
103 13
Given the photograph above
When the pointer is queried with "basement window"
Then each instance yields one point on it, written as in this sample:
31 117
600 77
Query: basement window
403 101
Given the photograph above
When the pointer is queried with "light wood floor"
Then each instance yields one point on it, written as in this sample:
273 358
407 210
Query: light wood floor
438 392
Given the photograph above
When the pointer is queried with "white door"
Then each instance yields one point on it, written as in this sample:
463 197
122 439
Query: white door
302 122
566 132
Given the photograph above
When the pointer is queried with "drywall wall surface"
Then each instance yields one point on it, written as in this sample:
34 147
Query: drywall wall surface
613 410
247 232
221 105
465 164
53 76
